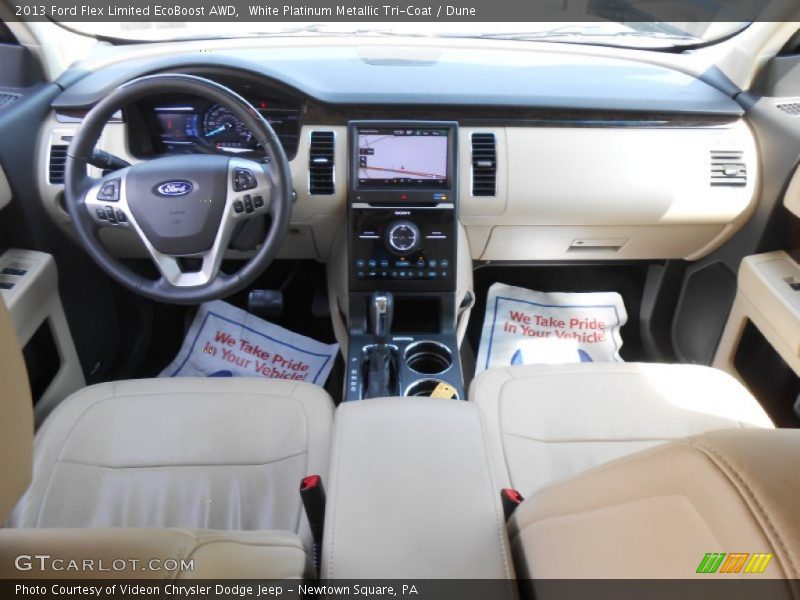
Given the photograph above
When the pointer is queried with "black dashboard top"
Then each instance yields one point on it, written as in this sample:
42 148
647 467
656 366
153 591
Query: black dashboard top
396 76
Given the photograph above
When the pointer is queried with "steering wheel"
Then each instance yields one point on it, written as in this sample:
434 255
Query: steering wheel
181 207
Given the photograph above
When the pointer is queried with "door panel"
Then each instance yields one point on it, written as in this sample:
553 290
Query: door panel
761 341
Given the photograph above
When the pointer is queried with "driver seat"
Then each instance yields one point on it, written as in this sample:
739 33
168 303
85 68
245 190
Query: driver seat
189 467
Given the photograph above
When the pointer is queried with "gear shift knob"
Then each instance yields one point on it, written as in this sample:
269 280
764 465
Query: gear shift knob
381 310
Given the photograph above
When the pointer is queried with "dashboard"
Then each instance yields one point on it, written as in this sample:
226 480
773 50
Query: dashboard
557 156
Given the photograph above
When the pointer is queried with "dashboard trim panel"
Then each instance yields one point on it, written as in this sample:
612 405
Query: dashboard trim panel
339 76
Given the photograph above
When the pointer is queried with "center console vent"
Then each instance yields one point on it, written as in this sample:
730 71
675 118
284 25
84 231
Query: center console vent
484 164
321 163
58 162
728 168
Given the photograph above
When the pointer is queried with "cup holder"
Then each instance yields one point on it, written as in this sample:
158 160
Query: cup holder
428 358
425 387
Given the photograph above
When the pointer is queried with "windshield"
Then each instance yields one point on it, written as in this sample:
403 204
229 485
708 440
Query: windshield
647 35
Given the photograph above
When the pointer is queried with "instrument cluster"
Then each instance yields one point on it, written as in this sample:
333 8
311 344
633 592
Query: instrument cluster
178 124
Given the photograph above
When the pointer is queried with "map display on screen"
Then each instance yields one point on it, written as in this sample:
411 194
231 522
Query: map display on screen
393 157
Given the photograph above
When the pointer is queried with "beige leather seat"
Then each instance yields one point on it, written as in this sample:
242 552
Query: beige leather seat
115 553
202 469
549 422
214 453
658 513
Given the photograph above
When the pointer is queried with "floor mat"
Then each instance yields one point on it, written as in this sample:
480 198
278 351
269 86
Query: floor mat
225 341
523 326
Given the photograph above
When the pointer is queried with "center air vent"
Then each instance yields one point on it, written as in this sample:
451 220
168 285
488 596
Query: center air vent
484 164
320 163
58 161
728 168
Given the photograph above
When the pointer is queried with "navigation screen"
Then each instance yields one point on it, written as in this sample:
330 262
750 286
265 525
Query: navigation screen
393 157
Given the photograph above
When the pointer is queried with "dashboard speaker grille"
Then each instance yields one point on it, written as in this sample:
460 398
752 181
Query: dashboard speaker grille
484 164
58 161
321 163
792 108
728 168
7 98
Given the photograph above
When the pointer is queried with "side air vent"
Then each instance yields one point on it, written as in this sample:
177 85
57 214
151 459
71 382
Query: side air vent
484 164
320 163
792 108
7 98
58 161
728 168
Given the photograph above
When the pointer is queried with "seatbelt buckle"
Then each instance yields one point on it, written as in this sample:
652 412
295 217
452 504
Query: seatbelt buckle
511 499
313 496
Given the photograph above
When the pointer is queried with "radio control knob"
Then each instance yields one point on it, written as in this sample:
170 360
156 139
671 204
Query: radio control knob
403 237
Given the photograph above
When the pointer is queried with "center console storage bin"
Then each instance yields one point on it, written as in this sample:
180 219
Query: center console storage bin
411 494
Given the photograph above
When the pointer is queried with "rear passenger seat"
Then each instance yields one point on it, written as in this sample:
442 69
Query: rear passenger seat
550 422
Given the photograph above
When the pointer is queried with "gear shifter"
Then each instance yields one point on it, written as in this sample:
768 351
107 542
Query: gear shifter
381 309
381 366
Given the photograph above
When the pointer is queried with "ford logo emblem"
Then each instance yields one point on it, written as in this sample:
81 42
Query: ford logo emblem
178 187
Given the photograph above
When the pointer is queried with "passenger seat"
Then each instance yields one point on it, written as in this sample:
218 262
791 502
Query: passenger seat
549 422
718 506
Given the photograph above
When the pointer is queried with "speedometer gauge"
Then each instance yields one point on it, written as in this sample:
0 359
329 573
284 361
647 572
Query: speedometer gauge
223 129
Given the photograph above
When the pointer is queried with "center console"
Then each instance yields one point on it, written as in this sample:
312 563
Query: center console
402 244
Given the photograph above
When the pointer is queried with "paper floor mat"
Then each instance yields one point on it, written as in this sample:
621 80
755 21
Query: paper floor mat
225 341
523 326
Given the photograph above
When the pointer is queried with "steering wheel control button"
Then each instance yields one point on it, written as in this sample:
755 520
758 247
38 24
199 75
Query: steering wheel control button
112 218
109 191
243 179
258 201
121 217
248 204
101 214
238 207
